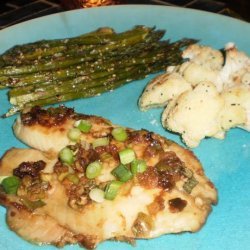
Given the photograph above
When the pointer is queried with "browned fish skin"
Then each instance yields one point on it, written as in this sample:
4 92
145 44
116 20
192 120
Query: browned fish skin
148 205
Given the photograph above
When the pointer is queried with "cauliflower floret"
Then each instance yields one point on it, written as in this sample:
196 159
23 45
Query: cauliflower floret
204 56
237 108
204 96
162 89
203 66
195 74
236 70
204 112
195 114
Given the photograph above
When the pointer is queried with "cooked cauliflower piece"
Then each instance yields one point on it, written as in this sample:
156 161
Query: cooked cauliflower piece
204 65
195 74
195 114
204 56
204 112
236 70
162 89
237 108
205 96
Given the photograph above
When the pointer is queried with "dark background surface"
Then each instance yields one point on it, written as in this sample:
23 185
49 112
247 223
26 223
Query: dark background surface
15 11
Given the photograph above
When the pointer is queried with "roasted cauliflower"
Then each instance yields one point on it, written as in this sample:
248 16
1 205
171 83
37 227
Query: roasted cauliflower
205 96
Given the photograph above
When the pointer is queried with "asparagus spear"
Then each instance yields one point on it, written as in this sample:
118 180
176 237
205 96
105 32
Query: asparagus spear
85 68
48 72
81 83
79 44
75 93
103 69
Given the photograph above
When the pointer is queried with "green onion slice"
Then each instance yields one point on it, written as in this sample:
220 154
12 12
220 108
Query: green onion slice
66 155
74 134
122 173
11 184
73 178
138 166
112 190
32 205
127 155
97 195
3 177
190 184
83 125
103 141
119 134
93 170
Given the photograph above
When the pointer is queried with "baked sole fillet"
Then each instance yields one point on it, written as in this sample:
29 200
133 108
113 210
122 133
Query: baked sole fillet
171 195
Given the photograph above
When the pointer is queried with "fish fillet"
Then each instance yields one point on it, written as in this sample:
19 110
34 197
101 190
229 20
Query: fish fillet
171 195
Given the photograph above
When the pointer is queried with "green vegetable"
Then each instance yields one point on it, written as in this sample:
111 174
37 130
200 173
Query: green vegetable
103 141
97 195
11 184
83 125
66 155
138 166
54 71
74 134
32 205
122 173
72 178
93 170
112 189
127 155
190 184
119 134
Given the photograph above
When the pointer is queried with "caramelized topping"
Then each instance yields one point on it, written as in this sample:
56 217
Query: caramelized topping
157 205
142 225
110 149
164 174
177 205
149 178
142 136
78 194
47 117
83 158
170 164
29 168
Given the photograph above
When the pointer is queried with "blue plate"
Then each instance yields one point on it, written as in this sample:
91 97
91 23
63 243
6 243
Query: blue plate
226 162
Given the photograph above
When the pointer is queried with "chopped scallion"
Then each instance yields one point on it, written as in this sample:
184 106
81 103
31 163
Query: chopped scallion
74 134
112 190
46 177
190 184
97 195
126 155
119 134
106 156
11 184
138 166
93 170
32 205
103 141
122 173
66 155
62 176
73 178
3 177
83 125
